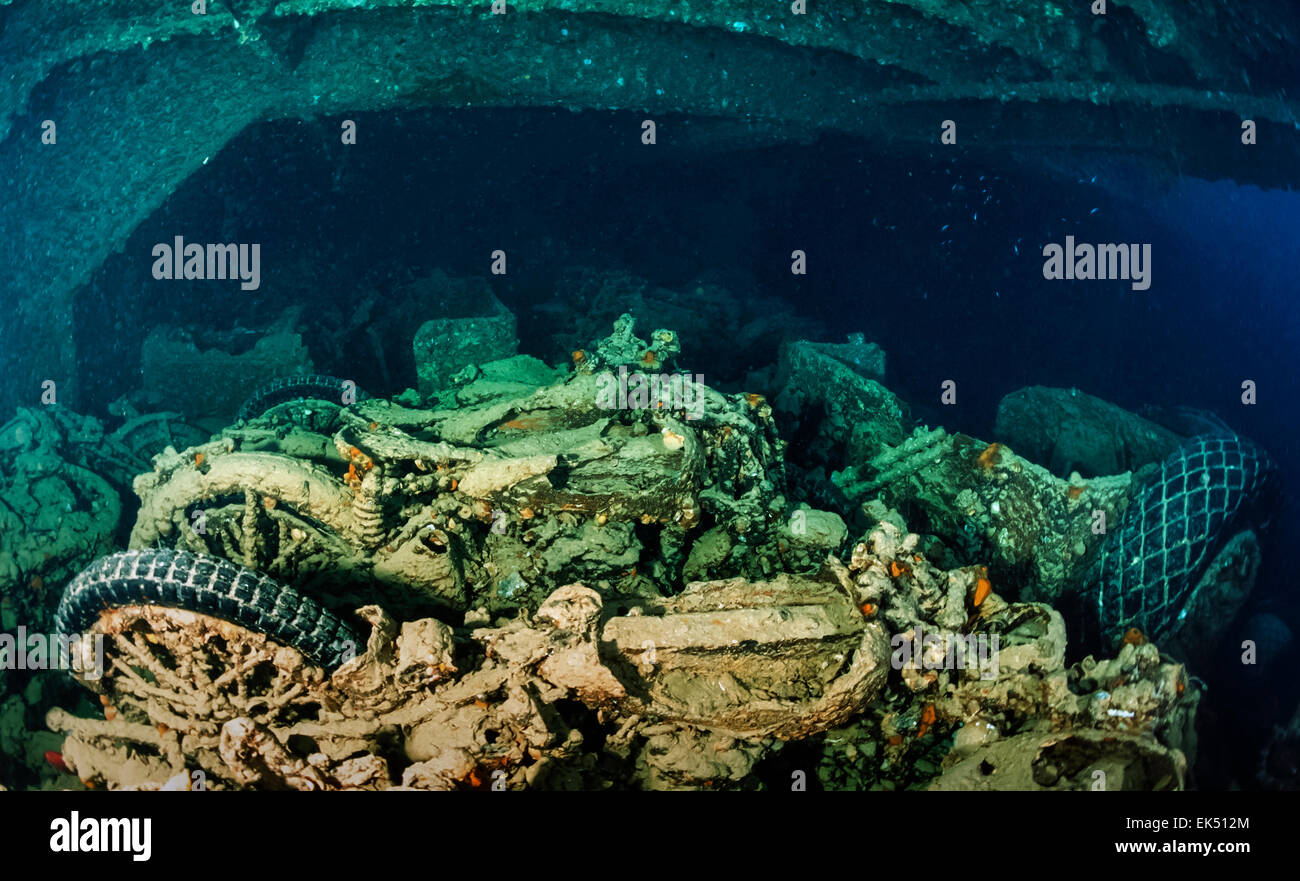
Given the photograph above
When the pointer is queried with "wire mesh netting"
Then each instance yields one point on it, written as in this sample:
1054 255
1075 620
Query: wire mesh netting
1149 566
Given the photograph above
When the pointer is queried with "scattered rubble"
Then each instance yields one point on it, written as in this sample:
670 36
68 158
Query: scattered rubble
535 567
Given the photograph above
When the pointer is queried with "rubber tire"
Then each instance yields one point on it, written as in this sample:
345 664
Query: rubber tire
212 586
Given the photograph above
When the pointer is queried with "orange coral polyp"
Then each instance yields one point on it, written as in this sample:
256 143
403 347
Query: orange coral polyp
991 456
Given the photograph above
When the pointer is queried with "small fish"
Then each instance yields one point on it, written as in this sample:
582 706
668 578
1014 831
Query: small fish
55 759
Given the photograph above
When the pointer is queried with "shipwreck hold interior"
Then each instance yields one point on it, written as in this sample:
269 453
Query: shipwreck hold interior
522 140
